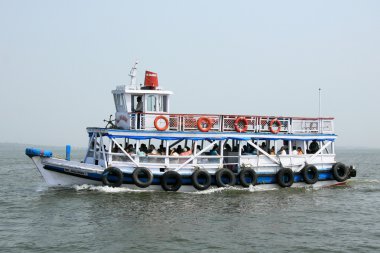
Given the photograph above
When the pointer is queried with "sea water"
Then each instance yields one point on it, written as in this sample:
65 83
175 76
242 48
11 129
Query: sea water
36 218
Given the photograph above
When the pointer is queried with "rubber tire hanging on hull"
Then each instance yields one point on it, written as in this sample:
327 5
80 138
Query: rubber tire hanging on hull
201 174
310 169
281 177
166 179
340 172
247 173
112 171
223 173
145 173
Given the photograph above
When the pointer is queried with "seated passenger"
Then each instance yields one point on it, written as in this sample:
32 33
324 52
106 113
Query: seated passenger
314 147
152 150
281 151
186 152
227 148
179 149
141 152
272 151
295 151
299 151
173 152
214 150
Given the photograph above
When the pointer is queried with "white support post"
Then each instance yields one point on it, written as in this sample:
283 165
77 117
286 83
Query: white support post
125 153
103 151
89 146
195 156
110 145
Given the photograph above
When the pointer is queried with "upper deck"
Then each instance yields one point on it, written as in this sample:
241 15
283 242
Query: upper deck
147 108
228 123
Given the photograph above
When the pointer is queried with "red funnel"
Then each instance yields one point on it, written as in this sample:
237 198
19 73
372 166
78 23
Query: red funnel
151 80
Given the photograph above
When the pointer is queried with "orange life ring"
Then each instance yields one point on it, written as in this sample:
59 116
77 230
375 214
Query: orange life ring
156 123
243 129
204 120
278 123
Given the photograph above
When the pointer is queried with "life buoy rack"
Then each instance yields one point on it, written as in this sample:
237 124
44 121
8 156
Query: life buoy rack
201 180
285 177
204 120
113 172
310 174
225 177
247 177
159 128
237 123
142 177
279 125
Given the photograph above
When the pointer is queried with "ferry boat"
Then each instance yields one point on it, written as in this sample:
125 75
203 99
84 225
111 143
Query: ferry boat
147 147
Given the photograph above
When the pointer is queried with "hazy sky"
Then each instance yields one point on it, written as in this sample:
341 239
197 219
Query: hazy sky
59 61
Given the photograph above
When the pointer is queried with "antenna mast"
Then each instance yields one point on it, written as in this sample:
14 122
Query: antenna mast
132 74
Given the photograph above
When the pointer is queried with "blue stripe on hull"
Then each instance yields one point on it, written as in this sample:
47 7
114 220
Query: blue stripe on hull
324 175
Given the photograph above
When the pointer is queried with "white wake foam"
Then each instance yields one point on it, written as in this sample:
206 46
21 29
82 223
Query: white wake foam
106 189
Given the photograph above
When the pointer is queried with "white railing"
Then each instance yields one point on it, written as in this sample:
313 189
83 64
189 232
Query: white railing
227 123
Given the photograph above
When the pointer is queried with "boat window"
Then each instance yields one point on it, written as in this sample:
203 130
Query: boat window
151 103
165 103
160 104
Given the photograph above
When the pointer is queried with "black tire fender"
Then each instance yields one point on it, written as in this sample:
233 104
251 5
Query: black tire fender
223 173
199 174
340 172
112 171
247 173
145 173
169 176
310 170
285 177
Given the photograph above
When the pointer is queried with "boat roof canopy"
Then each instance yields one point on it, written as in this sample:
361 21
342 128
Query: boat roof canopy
196 136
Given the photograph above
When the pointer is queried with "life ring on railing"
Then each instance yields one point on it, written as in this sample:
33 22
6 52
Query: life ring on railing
237 127
278 123
204 120
156 123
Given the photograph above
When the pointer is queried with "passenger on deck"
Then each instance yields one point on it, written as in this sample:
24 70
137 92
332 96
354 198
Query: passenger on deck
314 147
214 150
299 151
281 151
245 150
144 148
227 148
272 151
295 151
141 152
179 149
173 152
186 152
139 109
152 150
139 106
